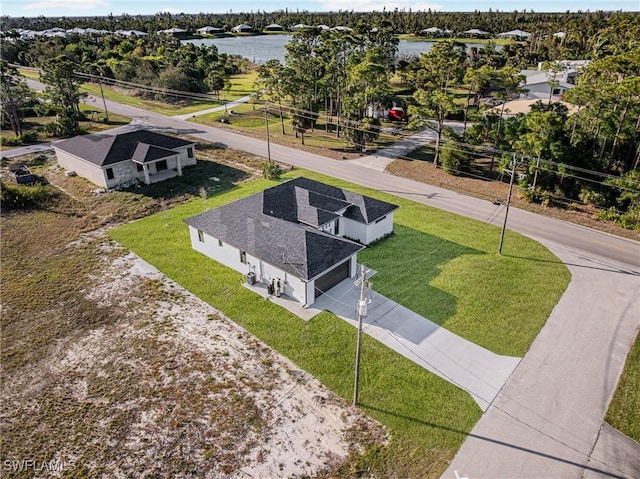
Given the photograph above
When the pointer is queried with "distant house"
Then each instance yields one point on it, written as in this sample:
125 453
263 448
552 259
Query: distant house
209 30
171 31
114 160
274 27
340 28
545 84
131 33
515 35
299 26
474 32
434 31
242 28
297 236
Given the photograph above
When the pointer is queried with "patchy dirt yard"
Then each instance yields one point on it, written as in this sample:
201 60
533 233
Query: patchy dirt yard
171 389
111 370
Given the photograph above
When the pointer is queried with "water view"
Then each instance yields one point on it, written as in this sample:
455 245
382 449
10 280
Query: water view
259 49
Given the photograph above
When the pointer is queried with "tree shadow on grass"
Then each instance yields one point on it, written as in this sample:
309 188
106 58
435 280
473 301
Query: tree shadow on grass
407 262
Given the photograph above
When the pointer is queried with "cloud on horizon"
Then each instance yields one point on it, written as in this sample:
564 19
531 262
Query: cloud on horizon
378 5
87 5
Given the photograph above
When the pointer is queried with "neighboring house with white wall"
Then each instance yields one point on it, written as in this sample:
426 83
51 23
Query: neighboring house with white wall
551 83
299 234
113 160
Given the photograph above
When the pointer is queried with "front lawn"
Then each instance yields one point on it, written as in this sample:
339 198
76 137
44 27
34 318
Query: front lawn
439 264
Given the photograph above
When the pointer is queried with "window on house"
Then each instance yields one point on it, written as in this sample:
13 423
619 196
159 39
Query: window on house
140 167
336 231
220 243
380 220
200 236
243 257
190 152
557 91
110 173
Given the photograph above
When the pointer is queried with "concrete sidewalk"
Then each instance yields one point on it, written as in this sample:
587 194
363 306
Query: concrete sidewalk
406 145
463 363
225 106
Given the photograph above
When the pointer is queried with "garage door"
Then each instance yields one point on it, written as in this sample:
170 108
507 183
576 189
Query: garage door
331 278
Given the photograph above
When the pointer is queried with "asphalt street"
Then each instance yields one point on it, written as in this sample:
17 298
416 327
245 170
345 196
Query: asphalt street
547 422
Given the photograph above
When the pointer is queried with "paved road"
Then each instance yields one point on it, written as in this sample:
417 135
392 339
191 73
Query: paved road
548 419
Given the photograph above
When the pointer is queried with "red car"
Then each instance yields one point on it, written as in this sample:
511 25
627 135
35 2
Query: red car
397 114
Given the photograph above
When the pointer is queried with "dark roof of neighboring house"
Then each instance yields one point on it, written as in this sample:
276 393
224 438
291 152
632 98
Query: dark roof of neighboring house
295 248
145 153
104 150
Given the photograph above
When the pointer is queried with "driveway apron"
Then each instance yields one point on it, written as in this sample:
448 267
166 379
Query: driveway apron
476 370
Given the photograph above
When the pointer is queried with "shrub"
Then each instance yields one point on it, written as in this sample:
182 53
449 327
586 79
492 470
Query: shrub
29 137
272 171
7 141
23 196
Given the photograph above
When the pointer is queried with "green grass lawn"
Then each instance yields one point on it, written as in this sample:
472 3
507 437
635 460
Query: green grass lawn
624 413
439 264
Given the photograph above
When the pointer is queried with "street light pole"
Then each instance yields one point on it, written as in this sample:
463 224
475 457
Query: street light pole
506 213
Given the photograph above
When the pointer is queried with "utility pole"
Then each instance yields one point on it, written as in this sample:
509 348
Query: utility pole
266 125
106 112
535 175
506 213
362 311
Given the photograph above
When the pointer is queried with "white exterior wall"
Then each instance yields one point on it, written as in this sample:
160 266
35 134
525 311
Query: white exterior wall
229 256
540 91
378 230
366 233
83 168
353 230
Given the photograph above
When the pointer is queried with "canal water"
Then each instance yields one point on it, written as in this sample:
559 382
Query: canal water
261 48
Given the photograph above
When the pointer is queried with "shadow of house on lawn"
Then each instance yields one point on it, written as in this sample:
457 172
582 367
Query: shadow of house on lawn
407 263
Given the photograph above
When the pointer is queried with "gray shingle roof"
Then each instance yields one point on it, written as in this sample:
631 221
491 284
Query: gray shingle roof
104 150
293 247
145 153
281 201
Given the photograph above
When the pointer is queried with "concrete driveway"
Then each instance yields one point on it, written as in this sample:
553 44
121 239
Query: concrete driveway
476 370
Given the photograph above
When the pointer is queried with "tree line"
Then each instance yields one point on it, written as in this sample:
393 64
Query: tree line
586 34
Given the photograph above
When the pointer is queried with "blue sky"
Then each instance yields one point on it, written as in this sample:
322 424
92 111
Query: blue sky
34 8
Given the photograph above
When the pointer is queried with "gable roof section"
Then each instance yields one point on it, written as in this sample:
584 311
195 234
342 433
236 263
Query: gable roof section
293 247
145 153
102 150
282 201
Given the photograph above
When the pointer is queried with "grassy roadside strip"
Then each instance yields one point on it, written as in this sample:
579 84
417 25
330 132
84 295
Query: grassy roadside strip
430 417
624 409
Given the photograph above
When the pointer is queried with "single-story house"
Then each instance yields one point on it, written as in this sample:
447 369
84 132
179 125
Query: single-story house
274 27
542 85
475 32
172 31
113 160
208 30
432 31
242 28
515 34
302 236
